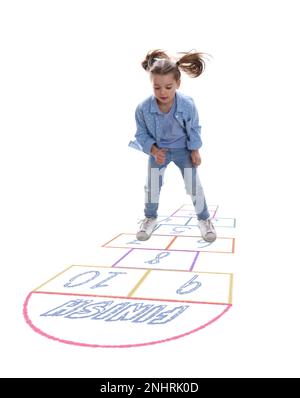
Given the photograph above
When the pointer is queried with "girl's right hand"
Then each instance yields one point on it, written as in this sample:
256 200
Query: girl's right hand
159 154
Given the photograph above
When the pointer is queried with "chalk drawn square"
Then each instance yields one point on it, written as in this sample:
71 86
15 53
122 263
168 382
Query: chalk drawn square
176 230
184 213
87 280
130 241
190 207
173 220
189 211
220 245
158 259
186 286
219 222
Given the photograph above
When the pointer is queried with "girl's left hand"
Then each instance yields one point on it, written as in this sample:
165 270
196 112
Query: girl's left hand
196 158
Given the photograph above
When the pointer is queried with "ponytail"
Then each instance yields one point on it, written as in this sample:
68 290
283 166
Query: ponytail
158 62
191 63
153 56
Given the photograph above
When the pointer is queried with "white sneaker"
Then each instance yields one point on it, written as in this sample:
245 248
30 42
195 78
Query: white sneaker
207 230
146 228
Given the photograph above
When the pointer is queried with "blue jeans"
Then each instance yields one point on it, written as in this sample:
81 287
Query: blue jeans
182 158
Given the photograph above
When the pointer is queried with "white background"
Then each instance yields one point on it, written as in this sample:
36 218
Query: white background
70 80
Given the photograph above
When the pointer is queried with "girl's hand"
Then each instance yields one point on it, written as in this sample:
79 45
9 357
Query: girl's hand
196 158
159 154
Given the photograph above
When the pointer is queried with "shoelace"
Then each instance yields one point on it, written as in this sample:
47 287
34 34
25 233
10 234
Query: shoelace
210 227
145 223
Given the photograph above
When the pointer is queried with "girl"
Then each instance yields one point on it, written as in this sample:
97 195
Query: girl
168 130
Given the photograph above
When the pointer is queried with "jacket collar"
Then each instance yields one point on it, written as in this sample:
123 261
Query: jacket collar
154 107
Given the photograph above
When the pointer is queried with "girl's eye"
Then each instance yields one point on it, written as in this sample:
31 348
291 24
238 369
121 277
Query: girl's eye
157 88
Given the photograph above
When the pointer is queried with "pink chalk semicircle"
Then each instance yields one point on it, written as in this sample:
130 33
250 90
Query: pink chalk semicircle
223 309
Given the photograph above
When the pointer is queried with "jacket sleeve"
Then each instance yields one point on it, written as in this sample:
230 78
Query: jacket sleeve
143 136
195 141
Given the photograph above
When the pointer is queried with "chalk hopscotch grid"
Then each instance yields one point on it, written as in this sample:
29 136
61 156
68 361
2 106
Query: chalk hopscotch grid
147 270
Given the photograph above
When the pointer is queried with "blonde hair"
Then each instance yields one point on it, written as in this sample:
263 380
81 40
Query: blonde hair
158 62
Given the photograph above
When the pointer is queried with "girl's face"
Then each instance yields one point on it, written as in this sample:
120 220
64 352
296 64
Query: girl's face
164 87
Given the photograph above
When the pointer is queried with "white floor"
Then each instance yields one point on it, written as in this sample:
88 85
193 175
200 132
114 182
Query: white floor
69 183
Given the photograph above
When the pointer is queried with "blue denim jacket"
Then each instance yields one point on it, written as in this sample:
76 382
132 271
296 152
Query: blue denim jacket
149 129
